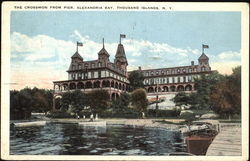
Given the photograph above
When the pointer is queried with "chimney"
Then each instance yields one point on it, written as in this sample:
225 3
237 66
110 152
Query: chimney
192 63
139 68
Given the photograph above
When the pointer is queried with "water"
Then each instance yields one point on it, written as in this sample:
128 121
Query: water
72 139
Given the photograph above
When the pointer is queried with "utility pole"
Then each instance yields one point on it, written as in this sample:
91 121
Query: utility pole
157 97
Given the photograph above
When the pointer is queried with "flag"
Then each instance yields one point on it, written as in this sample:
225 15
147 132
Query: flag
122 36
79 43
205 46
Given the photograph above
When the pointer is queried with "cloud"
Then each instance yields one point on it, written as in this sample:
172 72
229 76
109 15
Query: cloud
229 55
225 67
38 60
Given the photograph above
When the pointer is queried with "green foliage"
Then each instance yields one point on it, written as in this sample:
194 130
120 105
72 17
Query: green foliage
98 100
226 95
203 87
136 79
181 99
119 108
188 116
60 114
121 103
75 99
220 93
128 113
139 99
163 113
27 100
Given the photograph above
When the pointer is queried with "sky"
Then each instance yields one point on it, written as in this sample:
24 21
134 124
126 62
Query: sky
42 42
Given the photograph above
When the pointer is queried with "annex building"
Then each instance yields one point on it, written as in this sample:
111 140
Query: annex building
112 76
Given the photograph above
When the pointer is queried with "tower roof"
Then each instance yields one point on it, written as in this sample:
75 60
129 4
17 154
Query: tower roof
77 55
103 51
203 57
120 53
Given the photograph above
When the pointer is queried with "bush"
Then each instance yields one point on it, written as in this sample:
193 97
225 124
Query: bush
128 113
188 116
163 113
59 114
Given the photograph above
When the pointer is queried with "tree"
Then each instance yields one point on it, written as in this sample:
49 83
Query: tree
98 100
76 100
201 98
139 99
15 110
121 103
226 94
203 85
181 99
25 102
136 79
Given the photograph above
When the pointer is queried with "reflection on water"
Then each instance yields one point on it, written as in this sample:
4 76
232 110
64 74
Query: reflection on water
72 139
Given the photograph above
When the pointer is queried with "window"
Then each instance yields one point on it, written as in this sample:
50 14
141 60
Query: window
184 70
79 67
195 69
173 81
172 71
178 70
162 72
190 70
92 65
184 79
189 78
99 74
178 79
203 69
167 80
152 72
157 73
99 64
73 67
92 74
152 81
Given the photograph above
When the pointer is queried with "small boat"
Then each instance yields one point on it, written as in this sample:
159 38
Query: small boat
93 123
32 123
180 154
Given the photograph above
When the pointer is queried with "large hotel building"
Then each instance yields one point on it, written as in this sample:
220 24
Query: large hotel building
112 76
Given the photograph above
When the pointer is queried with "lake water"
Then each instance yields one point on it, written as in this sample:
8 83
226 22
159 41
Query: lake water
74 139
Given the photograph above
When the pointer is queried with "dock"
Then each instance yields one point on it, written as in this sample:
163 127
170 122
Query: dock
227 142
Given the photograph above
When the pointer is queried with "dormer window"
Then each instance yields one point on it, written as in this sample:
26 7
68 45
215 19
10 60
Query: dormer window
152 73
184 70
178 70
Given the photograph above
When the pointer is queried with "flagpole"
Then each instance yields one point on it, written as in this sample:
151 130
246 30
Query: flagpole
77 47
202 49
120 39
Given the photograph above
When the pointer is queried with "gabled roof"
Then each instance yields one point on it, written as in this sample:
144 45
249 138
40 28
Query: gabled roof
77 55
103 51
203 56
120 53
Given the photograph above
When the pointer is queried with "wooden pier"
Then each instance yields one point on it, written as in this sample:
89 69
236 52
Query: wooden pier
227 142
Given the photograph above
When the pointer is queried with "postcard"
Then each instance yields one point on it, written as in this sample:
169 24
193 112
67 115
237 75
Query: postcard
124 81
